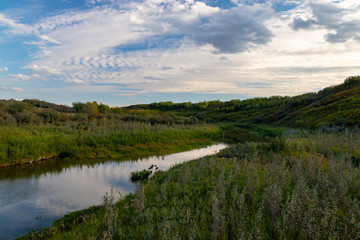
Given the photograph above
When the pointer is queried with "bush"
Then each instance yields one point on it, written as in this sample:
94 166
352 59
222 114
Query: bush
352 80
140 175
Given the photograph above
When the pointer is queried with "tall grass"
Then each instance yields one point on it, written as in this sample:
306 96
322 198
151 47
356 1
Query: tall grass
34 143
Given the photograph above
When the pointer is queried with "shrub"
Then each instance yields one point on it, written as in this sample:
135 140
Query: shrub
352 80
140 175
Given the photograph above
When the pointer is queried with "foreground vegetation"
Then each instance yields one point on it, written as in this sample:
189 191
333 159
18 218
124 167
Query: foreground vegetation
304 185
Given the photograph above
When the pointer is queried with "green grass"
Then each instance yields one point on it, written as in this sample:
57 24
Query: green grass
26 144
242 132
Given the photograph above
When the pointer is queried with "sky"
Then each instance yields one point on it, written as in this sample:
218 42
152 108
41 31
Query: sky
123 52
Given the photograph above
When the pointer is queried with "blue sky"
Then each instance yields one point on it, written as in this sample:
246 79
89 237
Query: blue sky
123 52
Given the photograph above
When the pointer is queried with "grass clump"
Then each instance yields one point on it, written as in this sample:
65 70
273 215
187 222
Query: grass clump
140 175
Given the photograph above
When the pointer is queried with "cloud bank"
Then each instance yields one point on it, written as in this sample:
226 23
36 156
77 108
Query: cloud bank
253 48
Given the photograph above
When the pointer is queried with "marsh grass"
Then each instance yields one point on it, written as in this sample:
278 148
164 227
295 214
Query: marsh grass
26 144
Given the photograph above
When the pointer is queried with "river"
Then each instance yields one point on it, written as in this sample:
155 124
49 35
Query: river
33 196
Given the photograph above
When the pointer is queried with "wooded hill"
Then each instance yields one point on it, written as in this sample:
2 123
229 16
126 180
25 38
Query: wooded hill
335 105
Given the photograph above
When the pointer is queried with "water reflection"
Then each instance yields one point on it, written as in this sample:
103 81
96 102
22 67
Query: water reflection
34 196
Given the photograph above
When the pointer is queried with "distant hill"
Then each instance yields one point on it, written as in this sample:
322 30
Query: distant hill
336 105
333 106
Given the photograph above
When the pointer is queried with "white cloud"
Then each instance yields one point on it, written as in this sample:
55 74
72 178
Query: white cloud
93 2
4 21
4 69
21 76
76 81
14 26
11 89
49 39
43 70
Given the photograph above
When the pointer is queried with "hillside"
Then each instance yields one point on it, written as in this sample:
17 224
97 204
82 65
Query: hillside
335 105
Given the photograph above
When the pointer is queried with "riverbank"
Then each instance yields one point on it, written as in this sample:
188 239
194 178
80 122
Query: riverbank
303 185
29 144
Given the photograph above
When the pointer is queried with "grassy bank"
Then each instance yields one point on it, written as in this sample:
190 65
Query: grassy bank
304 185
241 132
26 144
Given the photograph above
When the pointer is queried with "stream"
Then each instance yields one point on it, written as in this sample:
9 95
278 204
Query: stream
33 196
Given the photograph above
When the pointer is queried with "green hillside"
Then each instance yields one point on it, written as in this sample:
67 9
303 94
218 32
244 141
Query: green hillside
337 105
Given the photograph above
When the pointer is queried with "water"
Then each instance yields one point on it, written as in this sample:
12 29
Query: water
33 196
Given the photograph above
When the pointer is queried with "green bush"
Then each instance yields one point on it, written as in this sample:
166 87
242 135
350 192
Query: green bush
140 175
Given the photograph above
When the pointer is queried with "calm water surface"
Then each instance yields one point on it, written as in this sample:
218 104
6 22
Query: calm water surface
33 196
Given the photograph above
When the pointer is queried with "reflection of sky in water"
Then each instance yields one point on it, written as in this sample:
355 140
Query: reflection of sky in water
51 195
